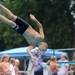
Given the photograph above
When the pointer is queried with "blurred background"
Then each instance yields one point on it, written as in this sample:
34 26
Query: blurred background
58 20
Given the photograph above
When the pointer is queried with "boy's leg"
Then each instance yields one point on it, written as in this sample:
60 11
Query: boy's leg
6 20
8 13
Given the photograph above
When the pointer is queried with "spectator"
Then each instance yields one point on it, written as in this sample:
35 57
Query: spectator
36 61
53 66
12 63
72 66
6 65
45 66
1 69
63 70
16 66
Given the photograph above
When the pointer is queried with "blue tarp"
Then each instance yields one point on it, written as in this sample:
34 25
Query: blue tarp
22 52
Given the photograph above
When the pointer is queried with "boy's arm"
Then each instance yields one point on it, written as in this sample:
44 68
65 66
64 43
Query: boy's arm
38 24
29 48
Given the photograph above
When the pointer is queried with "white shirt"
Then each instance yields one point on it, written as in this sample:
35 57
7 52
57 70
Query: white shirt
63 67
30 67
12 70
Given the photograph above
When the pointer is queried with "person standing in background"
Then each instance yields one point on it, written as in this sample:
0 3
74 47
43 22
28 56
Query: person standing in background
1 69
63 70
12 63
16 66
6 65
53 68
36 67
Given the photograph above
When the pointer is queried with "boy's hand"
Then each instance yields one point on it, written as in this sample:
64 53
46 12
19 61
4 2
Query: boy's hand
32 17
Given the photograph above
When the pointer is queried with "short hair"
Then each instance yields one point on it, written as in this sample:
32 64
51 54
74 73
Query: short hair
12 60
44 43
53 57
5 56
17 60
65 55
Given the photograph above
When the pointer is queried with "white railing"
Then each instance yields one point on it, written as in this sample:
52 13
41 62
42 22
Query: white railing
23 72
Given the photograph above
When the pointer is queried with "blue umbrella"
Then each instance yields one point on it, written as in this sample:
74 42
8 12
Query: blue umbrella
56 53
22 52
